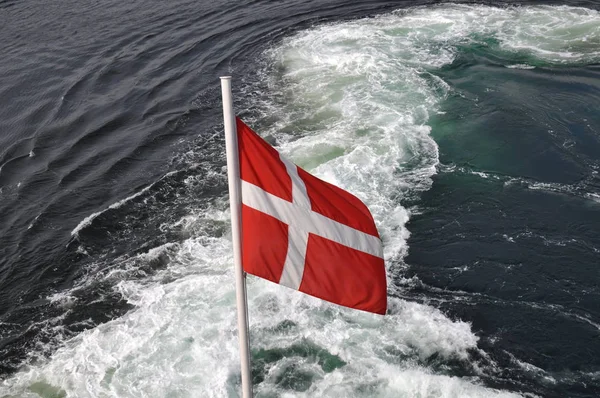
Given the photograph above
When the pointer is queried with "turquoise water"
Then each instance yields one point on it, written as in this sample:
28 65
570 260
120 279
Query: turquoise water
479 125
470 131
510 224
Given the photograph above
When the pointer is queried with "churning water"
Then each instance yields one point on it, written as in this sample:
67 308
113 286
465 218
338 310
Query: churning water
471 132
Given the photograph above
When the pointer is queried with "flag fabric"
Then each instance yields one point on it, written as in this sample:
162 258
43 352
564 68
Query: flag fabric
307 234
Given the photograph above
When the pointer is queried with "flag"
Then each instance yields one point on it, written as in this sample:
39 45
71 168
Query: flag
304 233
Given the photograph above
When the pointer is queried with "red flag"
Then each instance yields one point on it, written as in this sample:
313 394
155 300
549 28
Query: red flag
305 233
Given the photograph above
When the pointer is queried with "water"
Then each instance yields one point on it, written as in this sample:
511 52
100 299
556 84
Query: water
469 130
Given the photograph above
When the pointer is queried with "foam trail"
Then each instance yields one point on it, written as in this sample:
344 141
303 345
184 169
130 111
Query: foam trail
357 99
86 222
181 341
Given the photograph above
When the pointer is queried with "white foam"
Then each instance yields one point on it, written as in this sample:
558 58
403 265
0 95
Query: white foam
520 66
533 370
85 222
88 220
180 340
33 221
558 35
359 96
593 196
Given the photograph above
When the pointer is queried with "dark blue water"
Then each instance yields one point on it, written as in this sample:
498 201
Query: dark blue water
110 135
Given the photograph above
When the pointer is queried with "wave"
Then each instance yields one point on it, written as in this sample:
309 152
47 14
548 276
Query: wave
585 189
350 102
86 222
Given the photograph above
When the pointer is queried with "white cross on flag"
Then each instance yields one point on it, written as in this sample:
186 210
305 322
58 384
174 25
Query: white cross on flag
305 233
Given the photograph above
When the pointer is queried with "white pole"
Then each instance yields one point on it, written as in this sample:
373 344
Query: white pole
235 201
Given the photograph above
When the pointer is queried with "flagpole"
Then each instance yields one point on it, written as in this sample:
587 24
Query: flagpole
235 201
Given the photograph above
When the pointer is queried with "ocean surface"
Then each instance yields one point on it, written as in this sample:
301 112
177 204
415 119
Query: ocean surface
472 131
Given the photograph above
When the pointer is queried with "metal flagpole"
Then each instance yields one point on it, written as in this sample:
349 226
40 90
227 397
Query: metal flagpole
235 201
